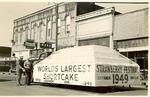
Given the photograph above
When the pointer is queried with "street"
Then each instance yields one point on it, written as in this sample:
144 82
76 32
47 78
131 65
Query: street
8 87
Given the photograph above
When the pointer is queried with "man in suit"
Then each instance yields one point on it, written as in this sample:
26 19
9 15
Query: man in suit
28 70
19 69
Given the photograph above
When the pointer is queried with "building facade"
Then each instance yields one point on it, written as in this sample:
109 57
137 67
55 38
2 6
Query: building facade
95 28
48 28
76 24
36 32
127 33
131 36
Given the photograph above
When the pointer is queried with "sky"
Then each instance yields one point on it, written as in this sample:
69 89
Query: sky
13 9
124 8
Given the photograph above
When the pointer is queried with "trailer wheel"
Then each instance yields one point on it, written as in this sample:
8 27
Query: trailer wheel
123 86
112 89
146 86
129 86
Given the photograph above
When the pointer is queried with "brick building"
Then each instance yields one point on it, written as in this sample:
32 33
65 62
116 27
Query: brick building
95 28
131 36
82 24
128 33
36 32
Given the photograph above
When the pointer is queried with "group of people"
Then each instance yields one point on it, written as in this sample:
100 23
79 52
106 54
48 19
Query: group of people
24 67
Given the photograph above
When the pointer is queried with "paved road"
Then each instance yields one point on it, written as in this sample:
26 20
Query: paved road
9 88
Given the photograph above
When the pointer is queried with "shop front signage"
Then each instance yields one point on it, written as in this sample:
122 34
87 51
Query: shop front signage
29 44
132 43
46 45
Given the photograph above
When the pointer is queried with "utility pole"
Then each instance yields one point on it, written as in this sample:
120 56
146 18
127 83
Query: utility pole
56 20
56 42
112 34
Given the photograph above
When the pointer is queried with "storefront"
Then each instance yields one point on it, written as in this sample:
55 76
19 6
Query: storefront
136 50
103 41
44 47
141 58
131 37
95 28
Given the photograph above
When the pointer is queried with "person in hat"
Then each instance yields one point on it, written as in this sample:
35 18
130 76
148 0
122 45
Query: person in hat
19 69
28 70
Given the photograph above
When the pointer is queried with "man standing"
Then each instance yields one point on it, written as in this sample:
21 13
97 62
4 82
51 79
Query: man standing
19 70
28 69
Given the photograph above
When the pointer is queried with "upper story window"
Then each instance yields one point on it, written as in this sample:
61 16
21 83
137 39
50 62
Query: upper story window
59 26
33 32
49 29
68 22
59 22
15 23
21 35
16 36
41 30
27 33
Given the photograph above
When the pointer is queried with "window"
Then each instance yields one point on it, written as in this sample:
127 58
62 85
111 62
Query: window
16 36
59 26
21 34
68 20
61 8
40 30
33 32
27 33
103 41
15 23
49 29
68 28
59 22
69 6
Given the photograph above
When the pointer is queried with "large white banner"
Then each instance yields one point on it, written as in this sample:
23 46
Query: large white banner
65 74
117 75
87 66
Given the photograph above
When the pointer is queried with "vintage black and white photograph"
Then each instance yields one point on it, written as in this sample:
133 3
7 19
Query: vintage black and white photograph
77 48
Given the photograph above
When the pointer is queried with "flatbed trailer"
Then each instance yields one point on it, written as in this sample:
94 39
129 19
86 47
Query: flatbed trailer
93 66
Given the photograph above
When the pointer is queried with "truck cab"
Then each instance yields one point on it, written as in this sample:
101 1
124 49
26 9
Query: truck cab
41 57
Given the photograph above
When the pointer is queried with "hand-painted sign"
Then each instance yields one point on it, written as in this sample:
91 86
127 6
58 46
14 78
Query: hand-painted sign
86 75
117 74
45 45
67 74
29 44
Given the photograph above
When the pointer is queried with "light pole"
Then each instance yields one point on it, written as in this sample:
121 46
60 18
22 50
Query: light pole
56 42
